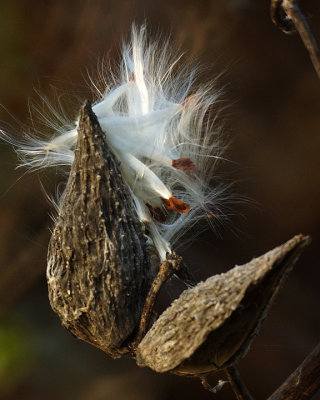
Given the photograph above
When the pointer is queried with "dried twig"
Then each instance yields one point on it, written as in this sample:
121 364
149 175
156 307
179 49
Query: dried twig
166 270
237 384
287 15
304 382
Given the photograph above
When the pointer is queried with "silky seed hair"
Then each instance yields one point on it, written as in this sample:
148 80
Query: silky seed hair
158 122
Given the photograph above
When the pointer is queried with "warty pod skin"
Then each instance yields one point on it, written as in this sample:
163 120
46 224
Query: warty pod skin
212 325
141 162
159 124
142 159
98 266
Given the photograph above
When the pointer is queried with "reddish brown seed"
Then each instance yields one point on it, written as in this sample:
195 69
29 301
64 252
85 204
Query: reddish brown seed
157 213
192 98
185 164
132 77
175 204
188 99
211 211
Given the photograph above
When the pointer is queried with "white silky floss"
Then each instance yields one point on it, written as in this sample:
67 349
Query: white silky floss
158 127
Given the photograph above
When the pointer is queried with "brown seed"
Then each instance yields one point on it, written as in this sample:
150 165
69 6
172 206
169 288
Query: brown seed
175 204
185 164
192 98
132 77
157 213
211 211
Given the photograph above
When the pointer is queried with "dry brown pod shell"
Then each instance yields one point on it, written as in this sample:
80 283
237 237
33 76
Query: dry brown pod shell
98 267
99 276
212 325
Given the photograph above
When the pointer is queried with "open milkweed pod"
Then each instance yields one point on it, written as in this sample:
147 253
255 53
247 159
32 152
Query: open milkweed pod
212 325
162 125
98 267
142 169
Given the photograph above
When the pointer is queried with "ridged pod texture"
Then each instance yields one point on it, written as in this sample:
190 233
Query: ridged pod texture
98 267
210 326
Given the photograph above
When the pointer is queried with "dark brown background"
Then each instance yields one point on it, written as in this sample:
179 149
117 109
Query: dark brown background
273 121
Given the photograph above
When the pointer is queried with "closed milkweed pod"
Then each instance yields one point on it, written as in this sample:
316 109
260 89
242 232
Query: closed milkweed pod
98 268
212 325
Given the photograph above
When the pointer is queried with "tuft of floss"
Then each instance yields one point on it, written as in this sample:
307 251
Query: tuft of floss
158 127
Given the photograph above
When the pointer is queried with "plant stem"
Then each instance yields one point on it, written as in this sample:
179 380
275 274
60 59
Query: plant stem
294 18
239 388
304 382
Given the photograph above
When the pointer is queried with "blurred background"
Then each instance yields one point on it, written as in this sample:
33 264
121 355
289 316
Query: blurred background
272 122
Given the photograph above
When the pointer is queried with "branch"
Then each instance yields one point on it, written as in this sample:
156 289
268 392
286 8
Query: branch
239 388
287 15
166 270
304 382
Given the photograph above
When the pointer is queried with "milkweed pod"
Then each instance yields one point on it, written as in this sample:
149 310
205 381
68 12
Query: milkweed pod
212 325
98 268
162 125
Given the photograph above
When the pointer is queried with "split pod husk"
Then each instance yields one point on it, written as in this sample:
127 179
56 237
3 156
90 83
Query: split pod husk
212 325
98 266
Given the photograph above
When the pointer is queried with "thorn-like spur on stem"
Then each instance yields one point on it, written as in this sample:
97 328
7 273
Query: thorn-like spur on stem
237 384
168 268
287 15
304 382
212 389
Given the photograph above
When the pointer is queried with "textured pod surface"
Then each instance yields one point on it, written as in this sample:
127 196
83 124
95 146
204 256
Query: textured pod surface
98 269
212 325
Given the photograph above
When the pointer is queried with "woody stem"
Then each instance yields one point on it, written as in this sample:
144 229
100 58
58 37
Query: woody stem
169 267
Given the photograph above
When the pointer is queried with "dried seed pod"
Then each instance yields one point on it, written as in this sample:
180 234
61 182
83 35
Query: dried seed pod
98 267
212 325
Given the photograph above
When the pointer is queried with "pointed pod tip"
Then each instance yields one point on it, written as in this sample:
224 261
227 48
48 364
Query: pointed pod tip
86 110
89 130
303 239
292 247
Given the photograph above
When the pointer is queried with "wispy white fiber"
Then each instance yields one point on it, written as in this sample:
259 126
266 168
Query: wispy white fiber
157 122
